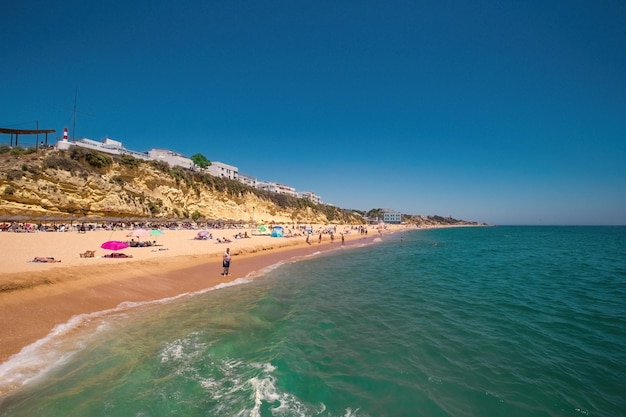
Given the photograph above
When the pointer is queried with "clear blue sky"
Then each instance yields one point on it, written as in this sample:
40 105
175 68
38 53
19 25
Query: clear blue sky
505 112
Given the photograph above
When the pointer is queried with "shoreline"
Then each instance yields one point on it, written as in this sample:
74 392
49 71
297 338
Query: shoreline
52 293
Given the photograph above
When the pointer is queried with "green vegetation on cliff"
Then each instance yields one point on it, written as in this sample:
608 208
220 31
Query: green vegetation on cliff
33 180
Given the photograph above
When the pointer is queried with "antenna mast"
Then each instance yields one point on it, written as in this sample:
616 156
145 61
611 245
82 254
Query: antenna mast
74 126
74 113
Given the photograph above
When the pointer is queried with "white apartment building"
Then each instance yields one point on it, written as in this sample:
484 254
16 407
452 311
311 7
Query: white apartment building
219 169
285 189
276 188
308 195
247 180
392 217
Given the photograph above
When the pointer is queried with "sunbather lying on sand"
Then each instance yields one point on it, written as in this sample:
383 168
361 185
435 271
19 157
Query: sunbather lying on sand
117 255
44 259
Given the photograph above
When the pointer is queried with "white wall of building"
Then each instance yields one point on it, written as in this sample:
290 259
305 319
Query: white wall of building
90 144
112 143
393 217
172 158
287 190
247 180
307 195
220 169
275 187
267 186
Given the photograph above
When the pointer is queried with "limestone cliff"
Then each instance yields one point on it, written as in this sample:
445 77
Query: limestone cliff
78 184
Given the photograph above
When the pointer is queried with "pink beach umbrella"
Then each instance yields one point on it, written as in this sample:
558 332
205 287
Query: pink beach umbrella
114 245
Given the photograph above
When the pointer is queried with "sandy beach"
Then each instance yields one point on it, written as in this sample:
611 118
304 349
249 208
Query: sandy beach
37 296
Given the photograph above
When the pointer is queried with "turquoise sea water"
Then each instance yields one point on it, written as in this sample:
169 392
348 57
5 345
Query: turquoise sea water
493 321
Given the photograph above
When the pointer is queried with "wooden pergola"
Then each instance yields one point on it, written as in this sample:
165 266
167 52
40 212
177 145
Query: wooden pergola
18 132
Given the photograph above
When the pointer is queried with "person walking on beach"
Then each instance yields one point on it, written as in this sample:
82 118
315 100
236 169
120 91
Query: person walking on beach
226 261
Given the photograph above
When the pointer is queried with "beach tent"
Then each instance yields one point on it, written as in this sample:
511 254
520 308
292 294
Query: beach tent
277 231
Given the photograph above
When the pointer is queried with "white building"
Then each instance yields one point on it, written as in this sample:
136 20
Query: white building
107 145
393 217
219 169
247 180
308 195
267 186
172 158
276 188
285 189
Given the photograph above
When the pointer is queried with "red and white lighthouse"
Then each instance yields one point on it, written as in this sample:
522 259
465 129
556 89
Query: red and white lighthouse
65 133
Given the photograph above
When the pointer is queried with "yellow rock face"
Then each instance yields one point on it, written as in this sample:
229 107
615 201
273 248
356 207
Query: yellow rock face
28 188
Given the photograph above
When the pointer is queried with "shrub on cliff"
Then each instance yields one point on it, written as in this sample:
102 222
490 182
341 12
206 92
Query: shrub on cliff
61 162
98 160
14 175
129 161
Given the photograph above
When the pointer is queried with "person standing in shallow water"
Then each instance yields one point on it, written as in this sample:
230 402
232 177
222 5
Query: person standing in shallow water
226 261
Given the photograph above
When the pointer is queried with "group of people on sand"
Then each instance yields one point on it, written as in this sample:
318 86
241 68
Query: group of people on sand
206 236
50 259
319 239
141 243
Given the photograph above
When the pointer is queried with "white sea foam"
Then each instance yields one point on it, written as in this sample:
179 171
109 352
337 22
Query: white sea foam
181 349
266 392
270 268
233 283
229 387
351 413
38 358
